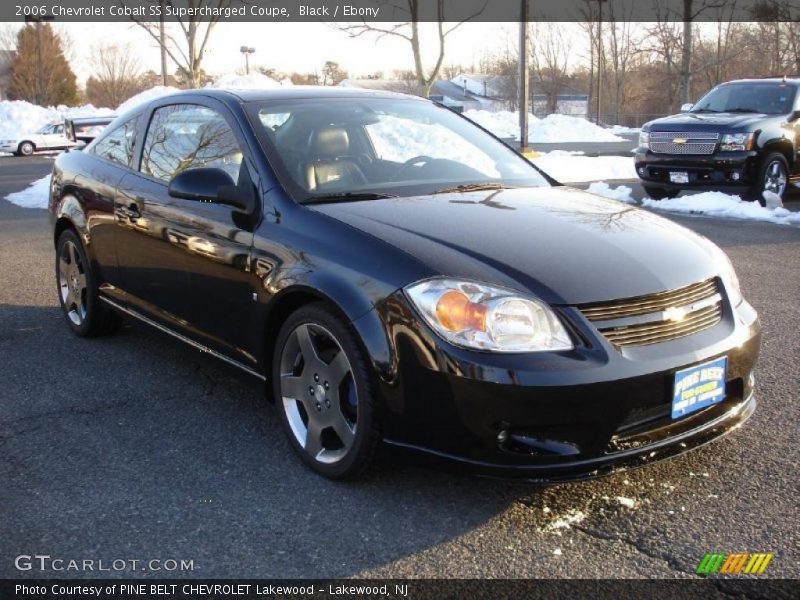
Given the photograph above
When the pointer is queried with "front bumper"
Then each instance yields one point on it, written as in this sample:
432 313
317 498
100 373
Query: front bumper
721 170
559 416
10 148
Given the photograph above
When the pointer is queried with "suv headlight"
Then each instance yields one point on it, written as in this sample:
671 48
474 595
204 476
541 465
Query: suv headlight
482 317
736 141
644 139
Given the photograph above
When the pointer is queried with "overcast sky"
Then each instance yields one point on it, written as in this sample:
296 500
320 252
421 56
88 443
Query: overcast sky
304 47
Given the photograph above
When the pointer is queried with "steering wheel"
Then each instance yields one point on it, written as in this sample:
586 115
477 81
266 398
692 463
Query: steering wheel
416 160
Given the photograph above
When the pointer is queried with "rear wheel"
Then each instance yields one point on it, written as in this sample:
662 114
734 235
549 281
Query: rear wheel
26 149
658 193
324 393
77 291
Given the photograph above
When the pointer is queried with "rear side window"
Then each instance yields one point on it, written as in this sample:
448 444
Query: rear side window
118 145
188 136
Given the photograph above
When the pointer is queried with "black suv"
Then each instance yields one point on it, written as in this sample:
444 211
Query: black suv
742 136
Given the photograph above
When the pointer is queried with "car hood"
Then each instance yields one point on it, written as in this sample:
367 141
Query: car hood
564 245
709 121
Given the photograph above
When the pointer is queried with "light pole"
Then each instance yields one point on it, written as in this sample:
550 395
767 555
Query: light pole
247 51
37 21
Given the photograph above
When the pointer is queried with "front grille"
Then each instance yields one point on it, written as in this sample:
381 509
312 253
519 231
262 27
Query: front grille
658 317
663 142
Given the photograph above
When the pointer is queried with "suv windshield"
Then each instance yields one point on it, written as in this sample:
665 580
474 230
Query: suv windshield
363 148
768 97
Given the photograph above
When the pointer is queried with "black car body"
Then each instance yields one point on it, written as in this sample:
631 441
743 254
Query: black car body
226 281
688 151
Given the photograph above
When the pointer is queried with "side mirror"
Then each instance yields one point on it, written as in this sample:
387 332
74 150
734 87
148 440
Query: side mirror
207 184
686 107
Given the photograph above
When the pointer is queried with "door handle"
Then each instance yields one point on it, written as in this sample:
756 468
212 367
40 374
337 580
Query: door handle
131 212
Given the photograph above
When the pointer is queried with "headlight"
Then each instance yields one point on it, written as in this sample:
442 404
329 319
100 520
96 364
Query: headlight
644 139
736 141
482 317
726 272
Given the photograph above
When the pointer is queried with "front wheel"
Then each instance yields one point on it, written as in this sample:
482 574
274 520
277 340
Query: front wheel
323 392
773 176
77 291
658 193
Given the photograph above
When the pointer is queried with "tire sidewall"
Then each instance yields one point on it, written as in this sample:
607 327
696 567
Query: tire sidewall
658 193
93 308
29 145
363 445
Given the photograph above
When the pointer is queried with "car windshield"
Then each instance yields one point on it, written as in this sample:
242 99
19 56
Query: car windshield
45 129
363 148
769 97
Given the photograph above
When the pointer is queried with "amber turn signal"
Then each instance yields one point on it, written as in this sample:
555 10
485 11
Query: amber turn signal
456 312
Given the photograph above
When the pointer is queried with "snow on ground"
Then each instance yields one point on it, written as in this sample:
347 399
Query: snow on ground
34 196
145 96
621 130
568 168
551 129
712 204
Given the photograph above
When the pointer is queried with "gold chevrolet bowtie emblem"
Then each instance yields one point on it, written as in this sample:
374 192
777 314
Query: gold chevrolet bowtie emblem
678 140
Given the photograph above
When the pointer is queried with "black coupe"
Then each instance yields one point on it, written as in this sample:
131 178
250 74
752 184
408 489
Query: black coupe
399 275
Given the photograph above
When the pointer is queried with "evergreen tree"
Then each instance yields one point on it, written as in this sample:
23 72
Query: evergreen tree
40 73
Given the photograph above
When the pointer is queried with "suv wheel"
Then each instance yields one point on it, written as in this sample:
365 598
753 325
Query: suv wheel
773 176
26 148
77 290
658 193
322 388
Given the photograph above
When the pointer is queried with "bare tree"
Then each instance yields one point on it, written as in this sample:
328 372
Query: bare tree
187 46
622 47
550 59
116 76
410 31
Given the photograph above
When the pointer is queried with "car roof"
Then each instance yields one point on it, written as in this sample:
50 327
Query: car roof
290 93
792 80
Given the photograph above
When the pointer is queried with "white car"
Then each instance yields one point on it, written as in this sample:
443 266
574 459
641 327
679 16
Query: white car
49 137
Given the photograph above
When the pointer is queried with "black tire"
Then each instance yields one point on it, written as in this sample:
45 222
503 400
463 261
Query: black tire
77 290
26 148
659 193
766 171
338 456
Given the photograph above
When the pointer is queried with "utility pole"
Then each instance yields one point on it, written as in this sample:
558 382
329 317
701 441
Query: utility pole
162 42
599 56
523 76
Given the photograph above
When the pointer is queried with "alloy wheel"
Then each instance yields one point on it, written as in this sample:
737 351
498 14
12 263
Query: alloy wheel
318 393
775 178
72 283
26 148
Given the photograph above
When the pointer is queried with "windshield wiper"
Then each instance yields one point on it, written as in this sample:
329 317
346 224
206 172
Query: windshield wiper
704 110
472 187
743 110
346 197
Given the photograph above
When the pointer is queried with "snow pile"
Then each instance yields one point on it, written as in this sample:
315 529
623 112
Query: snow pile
146 96
713 204
253 81
717 204
35 196
622 130
552 129
566 167
18 118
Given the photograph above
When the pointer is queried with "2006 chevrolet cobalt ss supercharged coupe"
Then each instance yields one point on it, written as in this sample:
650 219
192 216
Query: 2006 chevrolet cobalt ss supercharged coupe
399 275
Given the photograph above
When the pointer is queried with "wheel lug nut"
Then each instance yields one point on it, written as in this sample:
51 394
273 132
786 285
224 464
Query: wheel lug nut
327 385
316 377
328 403
311 391
319 407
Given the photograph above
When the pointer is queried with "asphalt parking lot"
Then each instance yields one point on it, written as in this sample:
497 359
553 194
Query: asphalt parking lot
137 447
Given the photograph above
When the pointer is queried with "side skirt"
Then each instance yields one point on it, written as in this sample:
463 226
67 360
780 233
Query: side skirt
183 338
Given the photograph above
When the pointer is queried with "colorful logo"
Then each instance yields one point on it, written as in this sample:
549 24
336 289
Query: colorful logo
738 563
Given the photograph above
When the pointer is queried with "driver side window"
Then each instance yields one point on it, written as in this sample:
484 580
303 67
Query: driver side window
188 136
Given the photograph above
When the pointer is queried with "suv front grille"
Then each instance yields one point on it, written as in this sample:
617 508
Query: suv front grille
658 317
690 142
